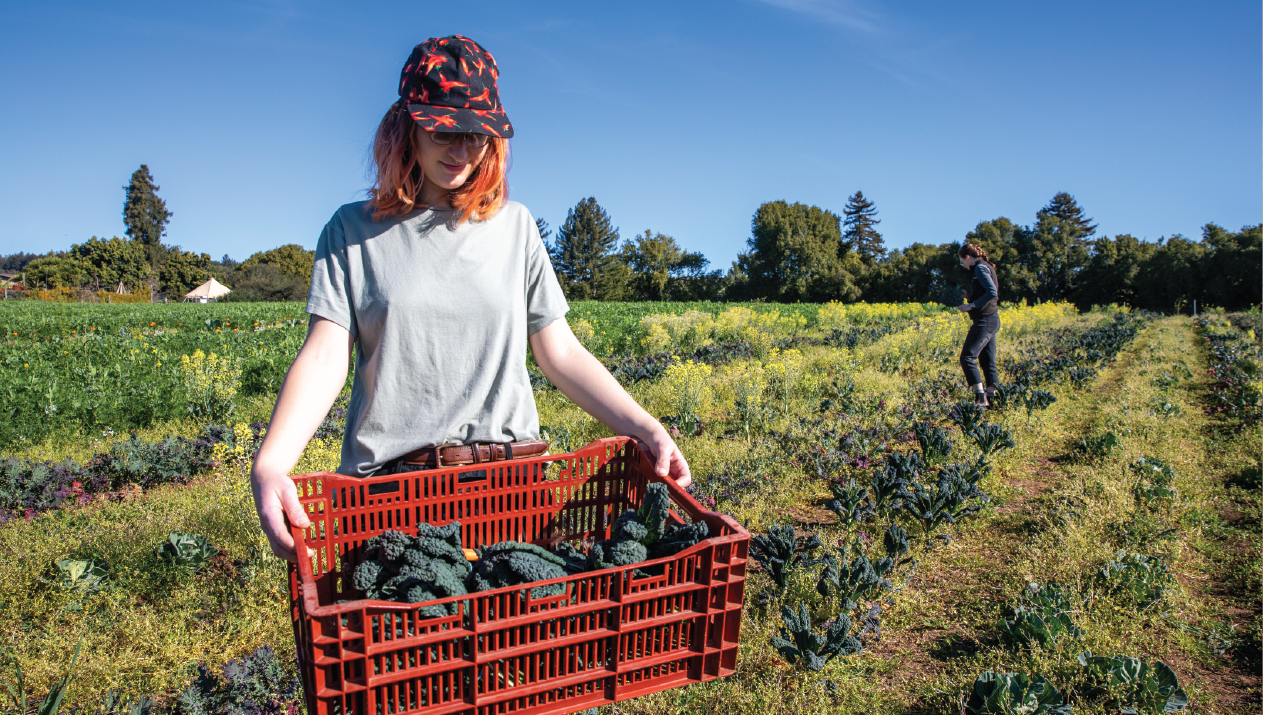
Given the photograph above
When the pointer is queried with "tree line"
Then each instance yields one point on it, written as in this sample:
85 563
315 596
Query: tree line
795 252
142 262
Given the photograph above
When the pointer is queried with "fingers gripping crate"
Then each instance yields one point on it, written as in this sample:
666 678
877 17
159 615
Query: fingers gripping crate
613 634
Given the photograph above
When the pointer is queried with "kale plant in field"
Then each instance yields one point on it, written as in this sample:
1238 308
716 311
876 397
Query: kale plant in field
934 441
187 552
27 488
1043 618
1006 395
944 503
258 684
966 415
779 552
849 502
1131 685
890 486
991 439
83 576
174 460
896 543
412 569
799 645
1037 400
1015 694
1139 578
853 582
1096 447
1081 376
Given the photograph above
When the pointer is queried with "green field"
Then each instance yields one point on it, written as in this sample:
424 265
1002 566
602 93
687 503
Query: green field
783 416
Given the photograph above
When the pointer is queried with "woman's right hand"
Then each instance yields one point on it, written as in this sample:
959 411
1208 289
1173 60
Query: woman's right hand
311 385
276 498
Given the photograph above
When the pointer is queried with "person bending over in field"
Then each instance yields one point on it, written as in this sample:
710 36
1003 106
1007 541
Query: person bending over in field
984 308
439 283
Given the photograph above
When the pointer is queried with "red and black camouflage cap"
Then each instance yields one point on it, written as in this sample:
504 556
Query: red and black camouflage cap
449 84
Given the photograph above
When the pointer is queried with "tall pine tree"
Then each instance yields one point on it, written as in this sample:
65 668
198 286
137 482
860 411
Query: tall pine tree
585 254
1064 208
860 234
144 214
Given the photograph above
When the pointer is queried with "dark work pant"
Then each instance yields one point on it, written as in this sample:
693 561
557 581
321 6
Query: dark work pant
980 348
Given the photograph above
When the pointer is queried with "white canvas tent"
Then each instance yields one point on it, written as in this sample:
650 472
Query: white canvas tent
210 289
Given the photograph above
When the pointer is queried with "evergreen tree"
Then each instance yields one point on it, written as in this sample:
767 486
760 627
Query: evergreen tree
1065 209
585 257
860 234
144 214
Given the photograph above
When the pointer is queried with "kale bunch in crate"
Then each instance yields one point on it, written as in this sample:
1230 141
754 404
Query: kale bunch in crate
1132 685
644 533
513 563
411 569
1015 694
798 645
780 552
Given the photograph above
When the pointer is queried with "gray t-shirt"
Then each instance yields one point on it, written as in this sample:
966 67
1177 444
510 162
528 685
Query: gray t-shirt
440 314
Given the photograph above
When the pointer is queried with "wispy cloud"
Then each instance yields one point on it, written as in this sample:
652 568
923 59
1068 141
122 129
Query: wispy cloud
843 13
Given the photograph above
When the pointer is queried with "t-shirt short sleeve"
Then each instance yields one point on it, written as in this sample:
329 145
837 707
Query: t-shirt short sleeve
330 293
545 302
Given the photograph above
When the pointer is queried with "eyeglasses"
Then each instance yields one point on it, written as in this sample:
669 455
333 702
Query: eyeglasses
471 140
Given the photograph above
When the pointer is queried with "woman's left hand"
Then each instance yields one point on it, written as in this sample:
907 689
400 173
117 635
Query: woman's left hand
668 461
964 308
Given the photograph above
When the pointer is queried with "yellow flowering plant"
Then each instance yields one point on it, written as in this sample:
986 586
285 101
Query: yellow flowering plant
687 386
211 382
747 383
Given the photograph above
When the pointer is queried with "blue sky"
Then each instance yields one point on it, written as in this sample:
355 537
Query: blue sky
681 117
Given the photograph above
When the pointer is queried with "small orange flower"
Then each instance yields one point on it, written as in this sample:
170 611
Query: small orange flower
152 324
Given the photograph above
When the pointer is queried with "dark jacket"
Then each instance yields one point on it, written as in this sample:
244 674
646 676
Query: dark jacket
984 291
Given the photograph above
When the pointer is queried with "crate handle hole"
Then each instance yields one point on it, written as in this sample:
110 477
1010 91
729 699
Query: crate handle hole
383 488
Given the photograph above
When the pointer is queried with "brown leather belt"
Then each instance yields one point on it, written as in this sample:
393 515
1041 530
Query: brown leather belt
452 455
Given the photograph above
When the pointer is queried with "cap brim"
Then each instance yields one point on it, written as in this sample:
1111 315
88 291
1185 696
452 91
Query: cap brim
492 122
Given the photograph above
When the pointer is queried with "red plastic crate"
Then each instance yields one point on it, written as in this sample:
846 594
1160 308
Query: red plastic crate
611 636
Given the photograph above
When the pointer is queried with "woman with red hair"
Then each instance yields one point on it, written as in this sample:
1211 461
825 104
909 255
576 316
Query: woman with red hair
438 282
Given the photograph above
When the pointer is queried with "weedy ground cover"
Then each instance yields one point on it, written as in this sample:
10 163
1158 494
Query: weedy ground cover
826 442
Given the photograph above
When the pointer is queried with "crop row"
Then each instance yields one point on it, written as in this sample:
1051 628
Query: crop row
877 561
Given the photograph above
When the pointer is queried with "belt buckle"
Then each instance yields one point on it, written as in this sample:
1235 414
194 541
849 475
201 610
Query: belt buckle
438 453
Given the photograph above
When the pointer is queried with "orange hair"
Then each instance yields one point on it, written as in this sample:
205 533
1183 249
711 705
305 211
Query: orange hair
397 187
